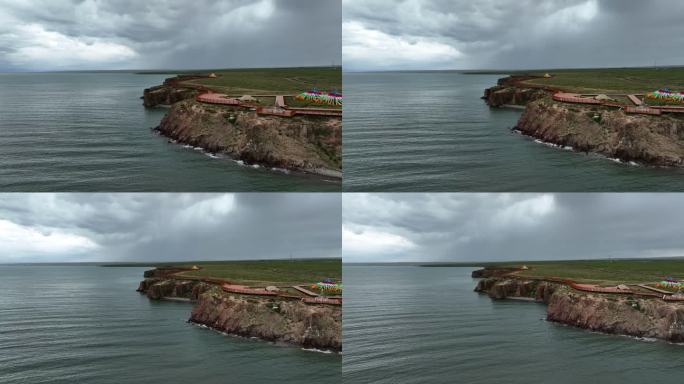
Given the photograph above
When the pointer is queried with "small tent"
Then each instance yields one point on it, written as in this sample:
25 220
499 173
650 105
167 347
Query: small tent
248 98
547 76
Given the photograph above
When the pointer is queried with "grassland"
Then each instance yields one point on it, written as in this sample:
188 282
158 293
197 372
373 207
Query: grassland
268 272
614 80
605 272
272 81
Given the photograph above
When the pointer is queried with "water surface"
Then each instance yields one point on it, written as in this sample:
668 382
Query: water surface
426 325
430 131
90 132
88 325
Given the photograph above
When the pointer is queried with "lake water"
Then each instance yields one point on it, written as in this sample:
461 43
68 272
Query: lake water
87 324
418 131
90 132
426 325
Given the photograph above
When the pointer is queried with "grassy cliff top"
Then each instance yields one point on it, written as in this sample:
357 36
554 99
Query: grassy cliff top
268 272
274 80
613 80
605 271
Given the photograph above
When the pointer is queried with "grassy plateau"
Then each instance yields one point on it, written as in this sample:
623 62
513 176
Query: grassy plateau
605 272
266 272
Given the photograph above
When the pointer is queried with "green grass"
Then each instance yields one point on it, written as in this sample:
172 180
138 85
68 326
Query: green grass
269 81
613 80
269 272
605 271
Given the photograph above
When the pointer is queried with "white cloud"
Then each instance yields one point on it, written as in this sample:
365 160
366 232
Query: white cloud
18 241
367 48
367 243
39 48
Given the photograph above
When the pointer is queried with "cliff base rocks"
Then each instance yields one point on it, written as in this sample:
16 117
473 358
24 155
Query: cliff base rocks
615 314
310 144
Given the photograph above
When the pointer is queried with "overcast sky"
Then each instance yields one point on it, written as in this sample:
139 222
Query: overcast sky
511 34
149 227
176 34
494 227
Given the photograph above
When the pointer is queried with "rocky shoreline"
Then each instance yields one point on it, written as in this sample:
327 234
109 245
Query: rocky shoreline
644 139
307 144
613 314
268 318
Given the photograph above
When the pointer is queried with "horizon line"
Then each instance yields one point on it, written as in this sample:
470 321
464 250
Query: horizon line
167 69
150 263
476 263
500 70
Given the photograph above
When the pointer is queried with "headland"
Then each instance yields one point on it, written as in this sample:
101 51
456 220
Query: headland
297 302
631 114
640 298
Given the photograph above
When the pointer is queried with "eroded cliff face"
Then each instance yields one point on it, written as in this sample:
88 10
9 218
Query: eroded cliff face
306 143
268 318
166 95
654 140
501 288
623 314
507 95
289 321
160 288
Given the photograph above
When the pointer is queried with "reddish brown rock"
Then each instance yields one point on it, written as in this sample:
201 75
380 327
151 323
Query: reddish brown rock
306 143
654 140
618 314
289 321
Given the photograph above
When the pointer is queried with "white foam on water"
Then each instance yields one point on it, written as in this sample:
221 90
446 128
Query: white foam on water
569 148
317 350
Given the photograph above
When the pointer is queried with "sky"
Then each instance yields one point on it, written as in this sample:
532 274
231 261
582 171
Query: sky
93 227
497 227
510 34
44 35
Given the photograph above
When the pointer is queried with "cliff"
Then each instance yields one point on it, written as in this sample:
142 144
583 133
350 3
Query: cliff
623 315
268 318
161 288
290 321
616 314
502 288
654 140
511 95
166 94
305 143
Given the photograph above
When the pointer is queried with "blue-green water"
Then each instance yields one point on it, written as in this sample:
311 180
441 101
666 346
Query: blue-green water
431 132
426 325
87 324
90 132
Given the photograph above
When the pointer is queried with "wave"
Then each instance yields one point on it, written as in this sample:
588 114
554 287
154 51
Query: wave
317 350
569 148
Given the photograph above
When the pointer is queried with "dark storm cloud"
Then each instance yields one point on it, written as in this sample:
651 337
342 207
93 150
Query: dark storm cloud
511 34
148 227
482 227
121 34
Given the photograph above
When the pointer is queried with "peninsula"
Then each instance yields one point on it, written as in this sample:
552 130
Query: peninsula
630 114
283 118
290 301
640 298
